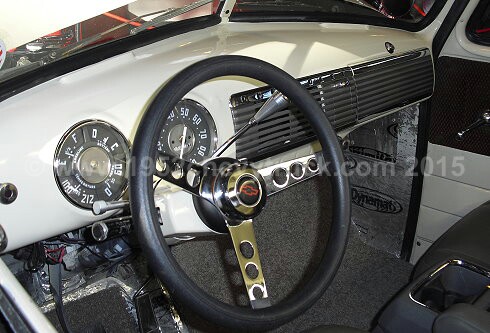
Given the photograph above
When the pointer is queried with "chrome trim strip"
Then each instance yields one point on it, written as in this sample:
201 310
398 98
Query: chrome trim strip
280 186
267 172
452 262
303 169
414 54
317 165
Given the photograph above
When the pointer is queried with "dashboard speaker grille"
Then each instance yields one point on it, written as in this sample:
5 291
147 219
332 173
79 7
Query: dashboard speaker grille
346 95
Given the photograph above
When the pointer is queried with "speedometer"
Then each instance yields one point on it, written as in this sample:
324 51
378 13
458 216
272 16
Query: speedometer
91 163
189 132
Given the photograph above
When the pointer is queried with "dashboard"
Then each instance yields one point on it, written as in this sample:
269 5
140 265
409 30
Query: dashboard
66 143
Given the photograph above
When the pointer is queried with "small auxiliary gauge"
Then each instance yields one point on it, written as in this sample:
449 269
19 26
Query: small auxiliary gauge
91 163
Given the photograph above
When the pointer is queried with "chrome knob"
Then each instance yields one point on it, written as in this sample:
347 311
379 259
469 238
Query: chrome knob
483 120
8 193
486 117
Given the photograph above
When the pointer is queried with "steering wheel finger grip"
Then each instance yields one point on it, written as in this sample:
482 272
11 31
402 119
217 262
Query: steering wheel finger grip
145 216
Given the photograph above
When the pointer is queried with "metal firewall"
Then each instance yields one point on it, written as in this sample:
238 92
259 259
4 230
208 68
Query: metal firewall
382 159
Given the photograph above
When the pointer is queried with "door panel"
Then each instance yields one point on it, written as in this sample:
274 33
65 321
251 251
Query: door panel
461 95
452 197
466 167
440 222
457 172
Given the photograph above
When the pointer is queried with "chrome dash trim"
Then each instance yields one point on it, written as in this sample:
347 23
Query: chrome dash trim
273 187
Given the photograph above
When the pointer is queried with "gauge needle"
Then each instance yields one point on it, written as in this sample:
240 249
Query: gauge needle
183 142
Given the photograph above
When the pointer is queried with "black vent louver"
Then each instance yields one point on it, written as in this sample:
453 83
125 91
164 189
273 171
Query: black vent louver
346 95
396 81
289 128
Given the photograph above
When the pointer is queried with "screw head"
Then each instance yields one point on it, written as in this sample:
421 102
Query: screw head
389 47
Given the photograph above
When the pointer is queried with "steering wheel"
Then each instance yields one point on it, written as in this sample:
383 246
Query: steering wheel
238 191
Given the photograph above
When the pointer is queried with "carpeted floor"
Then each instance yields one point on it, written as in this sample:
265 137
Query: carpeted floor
105 311
291 234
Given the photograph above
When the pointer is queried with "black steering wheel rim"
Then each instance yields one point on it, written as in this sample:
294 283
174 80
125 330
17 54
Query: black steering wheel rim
144 213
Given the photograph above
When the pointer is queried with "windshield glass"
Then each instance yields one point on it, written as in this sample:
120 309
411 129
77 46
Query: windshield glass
402 10
30 41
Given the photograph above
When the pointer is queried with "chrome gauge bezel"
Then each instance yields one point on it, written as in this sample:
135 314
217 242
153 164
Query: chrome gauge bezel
63 139
208 118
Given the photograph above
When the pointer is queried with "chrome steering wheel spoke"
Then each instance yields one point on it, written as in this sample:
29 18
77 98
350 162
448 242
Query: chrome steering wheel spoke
181 173
247 252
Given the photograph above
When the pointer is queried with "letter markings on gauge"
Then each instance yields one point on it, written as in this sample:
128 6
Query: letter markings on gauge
189 132
91 163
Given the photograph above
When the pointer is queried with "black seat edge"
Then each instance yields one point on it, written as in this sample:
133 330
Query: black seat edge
468 239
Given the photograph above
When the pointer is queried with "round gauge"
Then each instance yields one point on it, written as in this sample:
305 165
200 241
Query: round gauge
189 132
91 163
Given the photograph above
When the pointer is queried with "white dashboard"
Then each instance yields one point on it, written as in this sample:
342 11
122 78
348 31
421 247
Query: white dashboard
118 91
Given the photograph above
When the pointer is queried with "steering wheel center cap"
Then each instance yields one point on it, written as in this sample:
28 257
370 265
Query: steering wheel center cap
239 192
248 190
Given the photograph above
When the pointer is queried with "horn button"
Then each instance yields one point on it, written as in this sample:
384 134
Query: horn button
248 190
239 192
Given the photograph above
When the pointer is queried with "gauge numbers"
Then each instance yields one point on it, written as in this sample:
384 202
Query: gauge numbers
91 163
189 132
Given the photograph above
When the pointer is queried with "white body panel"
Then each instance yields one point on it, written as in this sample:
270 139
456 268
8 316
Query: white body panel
451 196
449 192
458 44
440 221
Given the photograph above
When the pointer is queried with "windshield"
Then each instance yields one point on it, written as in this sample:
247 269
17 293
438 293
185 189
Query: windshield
26 43
29 41
402 10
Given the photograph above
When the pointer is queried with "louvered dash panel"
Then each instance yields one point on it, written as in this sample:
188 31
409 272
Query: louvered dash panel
347 96
393 82
289 128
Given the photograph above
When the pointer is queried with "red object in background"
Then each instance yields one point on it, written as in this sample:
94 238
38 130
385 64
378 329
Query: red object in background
421 12
54 34
104 22
215 5
482 30
122 19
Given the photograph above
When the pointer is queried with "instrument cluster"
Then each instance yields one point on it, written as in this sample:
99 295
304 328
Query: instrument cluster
91 162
